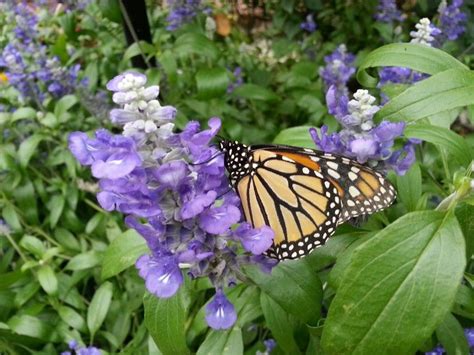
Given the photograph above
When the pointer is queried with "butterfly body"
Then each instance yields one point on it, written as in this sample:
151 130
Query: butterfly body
302 194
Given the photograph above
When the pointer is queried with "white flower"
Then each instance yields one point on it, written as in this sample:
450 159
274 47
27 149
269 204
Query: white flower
424 33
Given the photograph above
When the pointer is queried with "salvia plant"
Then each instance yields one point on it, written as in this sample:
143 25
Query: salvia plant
120 231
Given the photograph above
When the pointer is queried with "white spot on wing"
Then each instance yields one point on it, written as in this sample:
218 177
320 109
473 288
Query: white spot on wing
353 191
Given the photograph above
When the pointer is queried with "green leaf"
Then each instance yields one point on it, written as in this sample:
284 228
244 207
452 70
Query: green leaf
451 335
414 56
398 287
64 104
28 147
94 222
33 245
296 136
99 307
165 319
254 92
443 137
122 253
56 207
137 48
409 188
11 217
84 261
23 113
444 91
281 324
111 10
211 82
72 318
227 342
196 43
26 201
294 286
48 280
31 326
67 239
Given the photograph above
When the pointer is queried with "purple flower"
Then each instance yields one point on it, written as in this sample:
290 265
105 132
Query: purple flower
173 189
197 204
270 344
361 139
452 21
88 351
388 12
126 81
308 25
439 350
91 350
161 273
401 160
109 156
181 12
26 62
218 220
338 70
256 241
237 80
469 333
220 313
171 174
336 103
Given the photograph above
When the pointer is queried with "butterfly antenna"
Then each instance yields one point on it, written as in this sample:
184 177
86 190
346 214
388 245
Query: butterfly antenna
207 161
223 194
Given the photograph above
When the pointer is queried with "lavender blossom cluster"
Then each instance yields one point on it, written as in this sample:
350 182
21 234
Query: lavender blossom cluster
25 60
174 191
74 348
309 25
237 81
360 138
336 74
468 333
452 21
388 12
181 12
451 25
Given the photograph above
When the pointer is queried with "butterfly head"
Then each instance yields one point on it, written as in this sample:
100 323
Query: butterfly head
237 159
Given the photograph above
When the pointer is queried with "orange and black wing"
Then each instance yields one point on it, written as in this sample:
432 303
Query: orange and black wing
302 194
289 195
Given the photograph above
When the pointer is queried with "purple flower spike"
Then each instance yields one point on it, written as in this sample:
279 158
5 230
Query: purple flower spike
388 131
220 313
88 351
72 344
336 103
309 25
363 148
172 173
469 333
256 241
161 274
78 145
388 12
218 220
194 207
452 21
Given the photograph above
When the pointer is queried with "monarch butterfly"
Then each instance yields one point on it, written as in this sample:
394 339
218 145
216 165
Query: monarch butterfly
302 194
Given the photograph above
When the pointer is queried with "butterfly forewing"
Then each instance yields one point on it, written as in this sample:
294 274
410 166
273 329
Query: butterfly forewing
302 194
